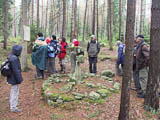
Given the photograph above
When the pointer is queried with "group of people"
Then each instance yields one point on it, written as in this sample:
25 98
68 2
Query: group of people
141 52
43 57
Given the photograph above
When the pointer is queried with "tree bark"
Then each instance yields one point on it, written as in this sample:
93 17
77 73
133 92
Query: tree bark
152 98
93 18
72 22
42 18
84 22
32 12
24 43
125 92
46 22
110 24
120 19
141 18
64 19
97 20
75 20
38 21
5 28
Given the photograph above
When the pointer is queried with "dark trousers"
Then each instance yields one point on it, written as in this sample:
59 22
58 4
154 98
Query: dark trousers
40 73
51 65
136 79
93 64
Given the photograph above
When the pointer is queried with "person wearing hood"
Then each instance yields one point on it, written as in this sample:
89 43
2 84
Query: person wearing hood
120 60
142 61
15 78
93 50
39 55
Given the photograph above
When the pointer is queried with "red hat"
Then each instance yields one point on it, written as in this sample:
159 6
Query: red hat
48 40
76 43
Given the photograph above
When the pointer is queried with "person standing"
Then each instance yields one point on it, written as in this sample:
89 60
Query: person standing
39 56
93 50
137 85
62 54
53 47
15 78
120 60
142 59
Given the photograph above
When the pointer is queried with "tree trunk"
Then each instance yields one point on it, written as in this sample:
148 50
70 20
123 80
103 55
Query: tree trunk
51 18
64 19
97 20
24 43
84 22
32 12
141 18
38 21
75 20
125 92
93 18
152 97
5 28
46 22
42 18
120 19
110 22
72 22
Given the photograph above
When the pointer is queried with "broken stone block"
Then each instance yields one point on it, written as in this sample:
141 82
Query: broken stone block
94 96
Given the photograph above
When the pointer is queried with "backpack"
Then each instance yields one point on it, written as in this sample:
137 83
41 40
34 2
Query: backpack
57 48
5 68
93 49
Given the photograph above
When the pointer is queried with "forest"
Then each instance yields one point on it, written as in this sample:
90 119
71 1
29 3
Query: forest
79 59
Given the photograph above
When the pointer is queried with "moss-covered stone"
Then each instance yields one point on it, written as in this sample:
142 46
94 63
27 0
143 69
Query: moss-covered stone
67 88
108 73
54 96
94 96
116 86
104 92
91 85
67 98
78 96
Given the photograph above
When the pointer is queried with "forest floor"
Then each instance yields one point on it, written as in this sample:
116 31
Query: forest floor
34 108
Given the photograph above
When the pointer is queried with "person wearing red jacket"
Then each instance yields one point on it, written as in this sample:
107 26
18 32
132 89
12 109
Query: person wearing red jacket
62 54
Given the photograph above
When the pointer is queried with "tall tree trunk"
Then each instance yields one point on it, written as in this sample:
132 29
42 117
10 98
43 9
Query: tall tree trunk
125 92
24 43
51 18
152 98
120 19
75 20
46 22
141 18
32 12
110 24
84 22
38 21
42 18
5 27
124 19
72 22
97 20
15 24
93 18
64 19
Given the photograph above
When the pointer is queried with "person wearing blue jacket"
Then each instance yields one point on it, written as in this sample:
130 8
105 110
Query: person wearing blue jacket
15 78
120 60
